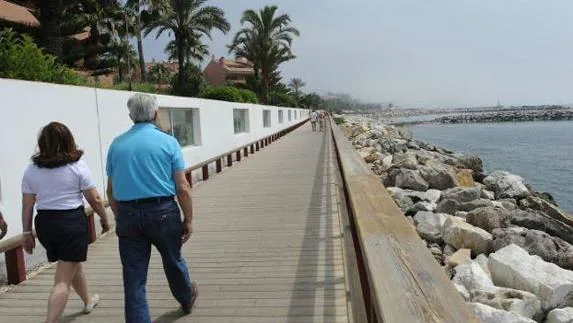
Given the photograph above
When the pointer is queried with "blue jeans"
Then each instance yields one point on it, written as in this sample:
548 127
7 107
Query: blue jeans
138 227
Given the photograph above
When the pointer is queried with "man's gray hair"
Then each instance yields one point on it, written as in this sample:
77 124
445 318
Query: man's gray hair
142 107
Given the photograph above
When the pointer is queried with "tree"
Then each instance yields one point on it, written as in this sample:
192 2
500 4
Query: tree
196 50
266 41
187 19
123 56
160 74
296 84
50 30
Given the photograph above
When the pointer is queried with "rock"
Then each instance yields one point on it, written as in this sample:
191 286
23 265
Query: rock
464 177
537 220
387 179
371 158
405 160
391 146
411 179
403 202
387 161
536 242
560 315
439 177
509 204
416 196
459 257
448 206
485 194
423 206
522 303
413 145
489 218
536 203
488 314
513 267
461 214
430 225
437 253
463 235
472 162
483 262
461 195
365 152
448 250
505 185
470 276
469 206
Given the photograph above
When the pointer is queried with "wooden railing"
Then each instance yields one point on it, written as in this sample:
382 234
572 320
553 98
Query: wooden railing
399 278
12 247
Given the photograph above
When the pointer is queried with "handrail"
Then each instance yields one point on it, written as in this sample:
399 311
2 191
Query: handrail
12 247
401 280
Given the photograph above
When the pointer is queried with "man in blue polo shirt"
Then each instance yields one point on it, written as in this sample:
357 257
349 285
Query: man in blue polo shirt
145 170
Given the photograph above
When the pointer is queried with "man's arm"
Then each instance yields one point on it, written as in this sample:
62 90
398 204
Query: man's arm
111 200
185 201
3 226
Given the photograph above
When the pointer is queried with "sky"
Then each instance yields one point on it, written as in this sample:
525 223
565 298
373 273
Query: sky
423 53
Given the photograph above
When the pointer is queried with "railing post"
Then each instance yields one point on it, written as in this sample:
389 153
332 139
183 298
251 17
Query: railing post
229 160
219 165
15 265
252 149
257 146
205 172
189 178
246 151
92 228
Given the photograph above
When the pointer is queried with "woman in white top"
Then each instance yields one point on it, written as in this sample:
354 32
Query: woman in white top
56 182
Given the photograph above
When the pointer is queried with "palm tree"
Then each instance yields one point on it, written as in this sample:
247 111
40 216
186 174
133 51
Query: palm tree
186 19
266 41
122 55
50 31
296 84
139 10
160 74
196 50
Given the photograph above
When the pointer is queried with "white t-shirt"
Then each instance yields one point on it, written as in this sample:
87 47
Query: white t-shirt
58 188
313 116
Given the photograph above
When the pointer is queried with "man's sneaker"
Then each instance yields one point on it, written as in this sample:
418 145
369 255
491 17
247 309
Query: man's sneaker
89 307
194 293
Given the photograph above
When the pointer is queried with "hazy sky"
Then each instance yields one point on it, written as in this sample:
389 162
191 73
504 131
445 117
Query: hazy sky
424 52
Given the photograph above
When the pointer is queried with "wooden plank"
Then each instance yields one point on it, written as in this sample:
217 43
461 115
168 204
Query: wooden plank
396 259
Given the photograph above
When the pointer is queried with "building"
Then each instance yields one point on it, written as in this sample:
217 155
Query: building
224 71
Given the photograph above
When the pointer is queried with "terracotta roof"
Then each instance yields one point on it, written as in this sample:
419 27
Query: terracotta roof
82 36
17 14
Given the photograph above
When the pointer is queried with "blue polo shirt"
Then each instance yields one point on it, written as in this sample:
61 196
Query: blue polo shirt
141 163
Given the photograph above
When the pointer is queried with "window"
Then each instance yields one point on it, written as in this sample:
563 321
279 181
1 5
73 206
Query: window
241 120
183 124
289 115
281 116
266 118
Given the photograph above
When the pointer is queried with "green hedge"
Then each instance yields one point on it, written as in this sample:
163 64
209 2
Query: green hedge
249 96
282 100
21 58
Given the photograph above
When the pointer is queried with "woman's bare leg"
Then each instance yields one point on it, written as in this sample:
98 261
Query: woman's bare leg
65 273
80 285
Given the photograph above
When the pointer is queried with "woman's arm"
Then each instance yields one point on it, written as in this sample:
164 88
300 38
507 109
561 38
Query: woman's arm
28 201
95 201
3 226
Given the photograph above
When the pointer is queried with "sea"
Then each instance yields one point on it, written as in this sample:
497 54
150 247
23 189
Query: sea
540 152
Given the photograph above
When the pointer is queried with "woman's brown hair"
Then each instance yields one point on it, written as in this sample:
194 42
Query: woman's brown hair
57 147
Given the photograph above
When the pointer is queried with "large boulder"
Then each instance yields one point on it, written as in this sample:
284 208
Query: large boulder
459 257
536 203
513 267
416 196
405 160
460 234
461 195
488 314
465 178
516 301
440 177
448 206
411 179
535 242
365 152
470 276
489 218
472 162
430 225
423 206
560 315
505 185
403 201
472 205
537 220
451 206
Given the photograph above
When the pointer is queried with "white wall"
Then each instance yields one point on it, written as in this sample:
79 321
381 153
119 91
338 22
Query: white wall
97 116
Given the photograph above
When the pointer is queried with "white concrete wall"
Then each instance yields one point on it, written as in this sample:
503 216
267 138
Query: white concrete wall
97 116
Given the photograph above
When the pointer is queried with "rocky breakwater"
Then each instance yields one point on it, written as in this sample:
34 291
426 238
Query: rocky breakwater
510 116
507 248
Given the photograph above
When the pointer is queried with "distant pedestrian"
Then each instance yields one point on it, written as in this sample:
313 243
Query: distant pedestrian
313 119
145 171
322 120
3 227
56 182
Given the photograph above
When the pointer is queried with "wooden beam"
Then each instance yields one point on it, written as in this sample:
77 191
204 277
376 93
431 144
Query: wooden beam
15 266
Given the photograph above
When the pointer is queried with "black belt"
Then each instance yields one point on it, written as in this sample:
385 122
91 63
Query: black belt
154 200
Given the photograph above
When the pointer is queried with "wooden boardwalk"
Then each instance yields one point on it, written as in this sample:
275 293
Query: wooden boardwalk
267 247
